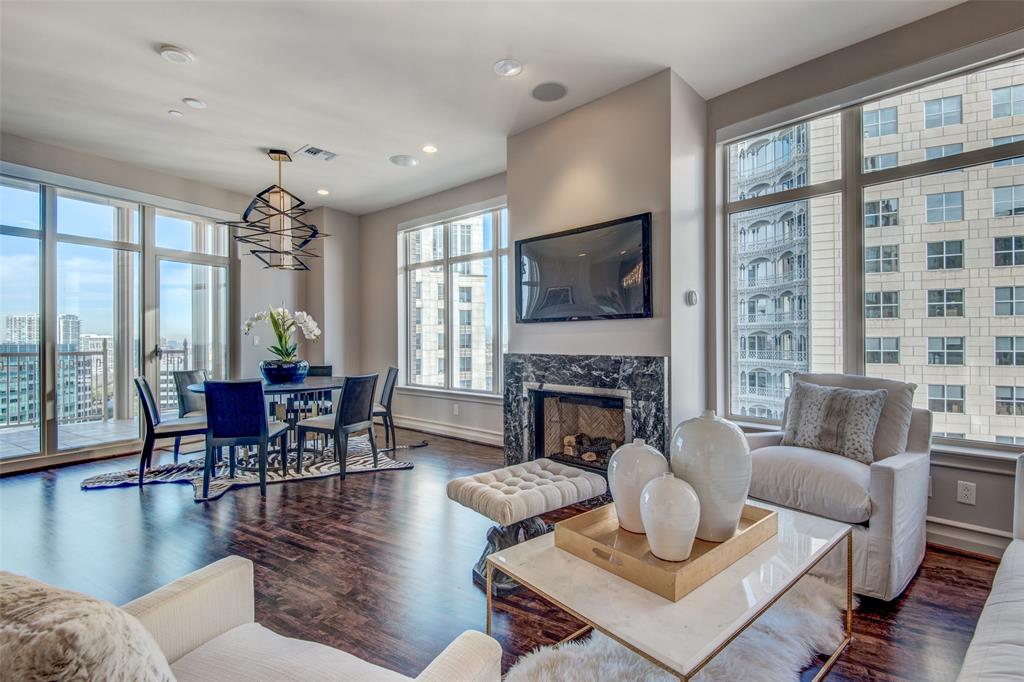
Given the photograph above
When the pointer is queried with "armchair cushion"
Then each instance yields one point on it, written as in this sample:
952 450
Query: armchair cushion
894 422
812 481
834 419
252 652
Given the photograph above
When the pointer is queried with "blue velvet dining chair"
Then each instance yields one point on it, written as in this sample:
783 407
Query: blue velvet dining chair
157 427
190 403
236 415
353 413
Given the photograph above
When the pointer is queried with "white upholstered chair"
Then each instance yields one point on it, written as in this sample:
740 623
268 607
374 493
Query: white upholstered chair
204 623
886 502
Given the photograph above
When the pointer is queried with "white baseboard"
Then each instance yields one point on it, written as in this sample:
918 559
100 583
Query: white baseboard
968 537
462 431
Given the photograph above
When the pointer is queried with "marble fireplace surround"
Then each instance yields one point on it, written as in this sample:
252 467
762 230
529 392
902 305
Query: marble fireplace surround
644 377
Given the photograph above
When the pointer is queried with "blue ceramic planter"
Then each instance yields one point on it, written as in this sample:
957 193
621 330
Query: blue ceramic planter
282 372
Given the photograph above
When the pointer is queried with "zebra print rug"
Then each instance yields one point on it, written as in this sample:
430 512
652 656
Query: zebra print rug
359 461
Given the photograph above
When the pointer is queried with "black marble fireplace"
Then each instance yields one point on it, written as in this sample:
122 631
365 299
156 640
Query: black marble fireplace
578 408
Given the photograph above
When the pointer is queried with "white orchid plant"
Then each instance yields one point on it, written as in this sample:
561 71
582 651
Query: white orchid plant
285 323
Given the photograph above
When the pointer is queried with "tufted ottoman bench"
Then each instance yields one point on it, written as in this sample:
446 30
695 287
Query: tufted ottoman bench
514 497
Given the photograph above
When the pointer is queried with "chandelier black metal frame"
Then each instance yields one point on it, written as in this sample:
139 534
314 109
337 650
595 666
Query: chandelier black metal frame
274 227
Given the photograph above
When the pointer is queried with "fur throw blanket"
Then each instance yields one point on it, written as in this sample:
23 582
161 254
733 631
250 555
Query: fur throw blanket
51 634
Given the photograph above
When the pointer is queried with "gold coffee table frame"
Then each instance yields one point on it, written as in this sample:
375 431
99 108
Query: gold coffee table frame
826 666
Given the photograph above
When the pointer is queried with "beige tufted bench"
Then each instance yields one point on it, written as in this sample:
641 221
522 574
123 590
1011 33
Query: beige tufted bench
515 496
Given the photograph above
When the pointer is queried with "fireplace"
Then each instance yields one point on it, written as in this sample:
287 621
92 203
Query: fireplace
610 399
579 425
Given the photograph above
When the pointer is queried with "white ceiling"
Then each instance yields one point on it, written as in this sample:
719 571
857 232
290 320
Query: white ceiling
371 79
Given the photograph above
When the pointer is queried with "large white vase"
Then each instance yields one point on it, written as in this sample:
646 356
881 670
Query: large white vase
671 511
712 455
629 470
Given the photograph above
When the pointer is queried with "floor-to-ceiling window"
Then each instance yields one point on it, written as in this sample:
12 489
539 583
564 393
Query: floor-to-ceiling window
926 223
453 302
74 268
20 309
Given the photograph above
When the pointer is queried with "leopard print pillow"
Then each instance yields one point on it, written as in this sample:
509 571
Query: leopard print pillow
838 420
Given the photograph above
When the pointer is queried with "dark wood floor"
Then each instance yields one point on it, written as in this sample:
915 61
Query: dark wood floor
380 565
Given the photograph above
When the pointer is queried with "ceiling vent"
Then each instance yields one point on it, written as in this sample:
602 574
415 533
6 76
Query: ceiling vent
311 152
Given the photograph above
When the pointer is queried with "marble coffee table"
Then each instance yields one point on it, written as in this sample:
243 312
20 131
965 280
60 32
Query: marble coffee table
683 636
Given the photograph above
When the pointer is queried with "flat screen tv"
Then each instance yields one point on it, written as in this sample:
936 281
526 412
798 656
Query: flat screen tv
598 272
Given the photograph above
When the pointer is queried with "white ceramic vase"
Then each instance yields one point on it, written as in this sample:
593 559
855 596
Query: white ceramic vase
629 470
671 511
712 455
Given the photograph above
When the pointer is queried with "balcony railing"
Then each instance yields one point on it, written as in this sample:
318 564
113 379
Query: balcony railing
771 393
774 355
793 317
86 382
797 275
795 236
83 386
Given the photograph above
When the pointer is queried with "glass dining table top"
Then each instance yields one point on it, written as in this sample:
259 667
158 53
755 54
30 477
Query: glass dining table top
310 385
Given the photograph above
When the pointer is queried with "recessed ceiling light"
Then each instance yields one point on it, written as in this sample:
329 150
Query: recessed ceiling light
322 192
175 54
549 92
194 103
404 160
581 255
508 67
175 113
429 149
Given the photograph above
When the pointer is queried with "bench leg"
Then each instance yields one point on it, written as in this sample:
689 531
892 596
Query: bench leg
503 537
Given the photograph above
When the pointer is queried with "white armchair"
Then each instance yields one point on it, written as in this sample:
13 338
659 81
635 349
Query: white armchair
205 625
885 502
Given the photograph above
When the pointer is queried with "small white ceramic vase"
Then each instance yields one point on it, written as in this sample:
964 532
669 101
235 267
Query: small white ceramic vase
629 470
712 455
671 511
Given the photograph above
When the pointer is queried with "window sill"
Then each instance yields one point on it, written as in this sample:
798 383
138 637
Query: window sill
448 394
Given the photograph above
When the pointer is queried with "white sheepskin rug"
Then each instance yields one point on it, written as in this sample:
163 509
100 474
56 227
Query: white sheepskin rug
775 648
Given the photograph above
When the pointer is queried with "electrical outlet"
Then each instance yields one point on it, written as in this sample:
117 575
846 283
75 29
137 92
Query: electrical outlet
255 340
966 492
455 409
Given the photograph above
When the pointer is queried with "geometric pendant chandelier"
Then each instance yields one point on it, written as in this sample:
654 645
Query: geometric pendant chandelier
273 226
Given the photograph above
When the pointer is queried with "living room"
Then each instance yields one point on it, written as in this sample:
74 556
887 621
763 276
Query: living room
536 341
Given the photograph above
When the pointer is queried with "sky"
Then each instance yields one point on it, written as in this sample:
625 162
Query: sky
86 274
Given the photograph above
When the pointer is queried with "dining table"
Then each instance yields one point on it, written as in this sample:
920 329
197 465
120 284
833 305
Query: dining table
294 401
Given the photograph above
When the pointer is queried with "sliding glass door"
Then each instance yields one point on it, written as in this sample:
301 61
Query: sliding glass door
193 299
94 292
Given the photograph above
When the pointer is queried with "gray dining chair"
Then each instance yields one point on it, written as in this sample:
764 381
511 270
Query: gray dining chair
236 415
354 413
157 427
383 408
190 403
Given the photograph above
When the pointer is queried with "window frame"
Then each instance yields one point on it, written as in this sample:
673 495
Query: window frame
850 185
452 338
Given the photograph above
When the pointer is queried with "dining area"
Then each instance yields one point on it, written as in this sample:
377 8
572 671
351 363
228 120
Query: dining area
255 431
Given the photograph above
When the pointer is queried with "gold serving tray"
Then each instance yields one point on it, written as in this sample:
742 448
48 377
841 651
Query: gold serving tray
595 537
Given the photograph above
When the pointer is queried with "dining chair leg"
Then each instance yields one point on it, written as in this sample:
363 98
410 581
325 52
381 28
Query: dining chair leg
300 449
147 455
263 467
177 448
391 428
341 452
284 453
232 461
373 444
207 469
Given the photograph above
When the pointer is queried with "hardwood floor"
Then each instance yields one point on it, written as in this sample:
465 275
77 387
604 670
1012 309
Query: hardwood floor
379 565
